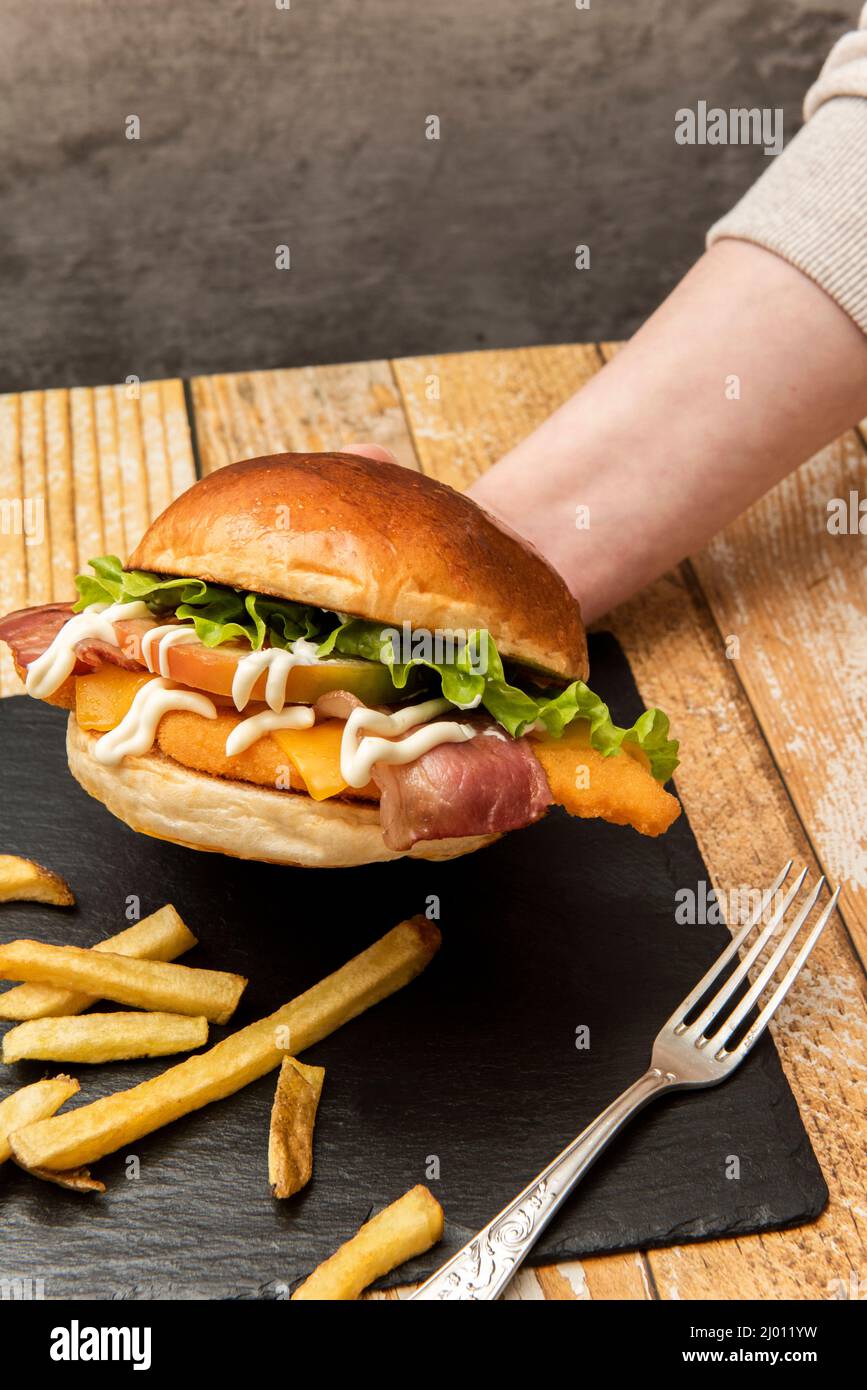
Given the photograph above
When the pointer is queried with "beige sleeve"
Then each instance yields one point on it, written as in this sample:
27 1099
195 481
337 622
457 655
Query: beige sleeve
810 205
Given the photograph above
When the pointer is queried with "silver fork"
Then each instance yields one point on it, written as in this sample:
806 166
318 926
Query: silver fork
688 1053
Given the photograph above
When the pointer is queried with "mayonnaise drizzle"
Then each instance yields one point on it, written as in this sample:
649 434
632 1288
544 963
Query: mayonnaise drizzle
137 730
48 672
168 636
135 733
358 754
278 663
249 731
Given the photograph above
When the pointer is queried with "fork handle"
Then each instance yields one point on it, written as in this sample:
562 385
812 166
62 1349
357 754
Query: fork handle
482 1269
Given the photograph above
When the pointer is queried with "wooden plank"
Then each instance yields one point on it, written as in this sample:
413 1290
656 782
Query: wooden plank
35 490
794 597
729 786
616 1276
85 472
135 508
524 1288
100 462
299 409
564 1283
155 447
13 554
455 440
182 469
60 497
790 600
110 481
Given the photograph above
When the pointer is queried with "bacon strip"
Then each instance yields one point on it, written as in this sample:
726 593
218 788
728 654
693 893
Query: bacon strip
93 653
29 631
483 787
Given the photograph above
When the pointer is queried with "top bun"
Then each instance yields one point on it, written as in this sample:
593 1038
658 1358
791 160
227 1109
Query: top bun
375 540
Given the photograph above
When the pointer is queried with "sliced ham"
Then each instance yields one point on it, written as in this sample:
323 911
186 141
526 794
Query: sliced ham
31 630
490 784
482 787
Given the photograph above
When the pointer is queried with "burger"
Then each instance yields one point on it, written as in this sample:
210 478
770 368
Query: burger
326 660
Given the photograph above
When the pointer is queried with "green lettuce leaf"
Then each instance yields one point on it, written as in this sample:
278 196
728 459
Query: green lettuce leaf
469 681
473 677
218 614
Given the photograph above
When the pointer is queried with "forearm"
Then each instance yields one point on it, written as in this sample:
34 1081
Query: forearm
745 370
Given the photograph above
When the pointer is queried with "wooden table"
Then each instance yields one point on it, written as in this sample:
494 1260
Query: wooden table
772 738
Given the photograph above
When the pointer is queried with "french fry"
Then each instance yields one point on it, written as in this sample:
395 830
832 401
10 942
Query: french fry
408 1227
145 984
23 880
161 936
36 1102
31 1103
293 1115
78 1180
104 1037
85 1134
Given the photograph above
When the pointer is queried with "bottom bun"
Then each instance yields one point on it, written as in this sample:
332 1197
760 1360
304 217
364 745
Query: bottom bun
157 796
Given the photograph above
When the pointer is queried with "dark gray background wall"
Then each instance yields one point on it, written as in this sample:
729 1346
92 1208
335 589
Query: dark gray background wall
306 126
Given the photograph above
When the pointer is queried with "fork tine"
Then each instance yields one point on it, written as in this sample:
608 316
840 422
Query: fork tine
735 980
765 975
755 1032
731 950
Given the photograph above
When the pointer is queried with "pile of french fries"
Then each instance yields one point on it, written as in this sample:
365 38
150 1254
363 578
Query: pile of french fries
168 1010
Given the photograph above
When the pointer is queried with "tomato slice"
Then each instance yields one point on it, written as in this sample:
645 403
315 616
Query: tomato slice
213 669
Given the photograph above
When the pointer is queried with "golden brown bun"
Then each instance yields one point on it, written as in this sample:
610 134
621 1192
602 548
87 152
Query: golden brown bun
157 796
382 542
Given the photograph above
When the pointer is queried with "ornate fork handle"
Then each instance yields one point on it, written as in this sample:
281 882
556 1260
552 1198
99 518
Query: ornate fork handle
481 1270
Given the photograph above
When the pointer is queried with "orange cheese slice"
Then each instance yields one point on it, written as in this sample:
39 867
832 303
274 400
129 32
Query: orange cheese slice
315 755
102 700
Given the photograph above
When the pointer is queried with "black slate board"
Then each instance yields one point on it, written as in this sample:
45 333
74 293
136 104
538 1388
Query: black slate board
472 1068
